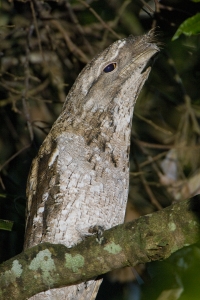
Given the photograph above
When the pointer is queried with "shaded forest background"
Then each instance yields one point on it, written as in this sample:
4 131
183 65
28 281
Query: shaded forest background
43 47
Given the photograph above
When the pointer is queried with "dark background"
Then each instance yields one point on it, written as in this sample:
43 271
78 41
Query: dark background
44 46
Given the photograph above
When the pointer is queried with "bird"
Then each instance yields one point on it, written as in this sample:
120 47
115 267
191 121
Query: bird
79 180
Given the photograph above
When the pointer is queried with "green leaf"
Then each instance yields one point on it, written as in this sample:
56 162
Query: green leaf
6 225
189 27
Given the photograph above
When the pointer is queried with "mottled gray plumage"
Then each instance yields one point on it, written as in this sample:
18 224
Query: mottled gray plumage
80 177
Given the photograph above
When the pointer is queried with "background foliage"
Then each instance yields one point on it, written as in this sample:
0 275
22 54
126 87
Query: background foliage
44 45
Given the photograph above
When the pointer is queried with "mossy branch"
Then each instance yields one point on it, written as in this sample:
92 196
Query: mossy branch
152 237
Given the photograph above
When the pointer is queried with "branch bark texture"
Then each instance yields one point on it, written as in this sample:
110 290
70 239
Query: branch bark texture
152 237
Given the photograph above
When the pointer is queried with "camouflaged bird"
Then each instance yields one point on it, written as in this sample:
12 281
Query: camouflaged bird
80 177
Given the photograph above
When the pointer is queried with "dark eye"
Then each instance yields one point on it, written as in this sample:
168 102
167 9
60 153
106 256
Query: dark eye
110 67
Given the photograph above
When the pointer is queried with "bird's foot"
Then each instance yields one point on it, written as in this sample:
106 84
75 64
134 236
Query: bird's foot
98 230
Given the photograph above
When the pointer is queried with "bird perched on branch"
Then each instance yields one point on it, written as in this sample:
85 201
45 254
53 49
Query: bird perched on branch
80 177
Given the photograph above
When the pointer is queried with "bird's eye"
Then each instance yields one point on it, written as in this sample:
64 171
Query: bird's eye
110 67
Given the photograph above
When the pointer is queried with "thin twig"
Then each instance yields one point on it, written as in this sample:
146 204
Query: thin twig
150 122
36 28
13 99
2 184
153 199
155 158
72 47
157 12
120 13
156 146
190 113
25 91
100 19
9 88
147 6
147 188
13 156
79 27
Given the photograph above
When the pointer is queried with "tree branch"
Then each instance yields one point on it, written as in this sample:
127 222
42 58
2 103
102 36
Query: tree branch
152 237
